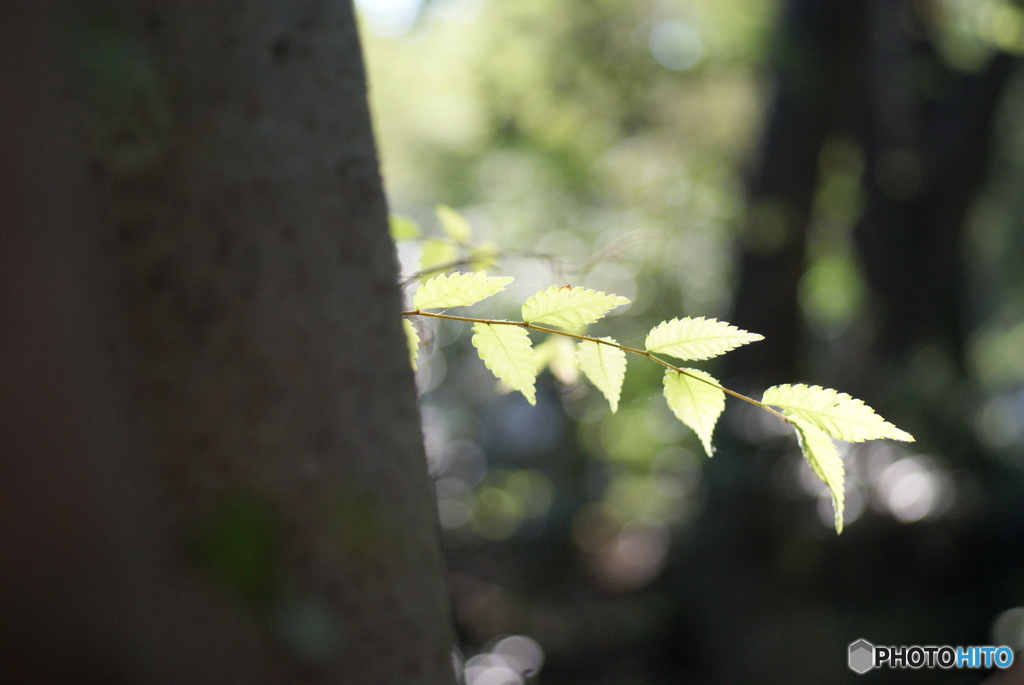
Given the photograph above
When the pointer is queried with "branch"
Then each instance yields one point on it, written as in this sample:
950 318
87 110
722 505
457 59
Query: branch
600 341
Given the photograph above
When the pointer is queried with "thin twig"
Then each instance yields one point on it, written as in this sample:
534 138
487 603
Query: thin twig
599 341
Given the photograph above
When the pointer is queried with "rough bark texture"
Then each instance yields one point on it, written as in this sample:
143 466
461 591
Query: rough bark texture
241 227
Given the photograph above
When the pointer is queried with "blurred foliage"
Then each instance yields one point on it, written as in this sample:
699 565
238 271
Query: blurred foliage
553 125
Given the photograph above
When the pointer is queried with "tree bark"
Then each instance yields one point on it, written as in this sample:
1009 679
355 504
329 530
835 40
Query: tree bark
258 470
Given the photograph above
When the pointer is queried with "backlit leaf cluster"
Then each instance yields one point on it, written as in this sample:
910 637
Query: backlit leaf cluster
451 249
819 416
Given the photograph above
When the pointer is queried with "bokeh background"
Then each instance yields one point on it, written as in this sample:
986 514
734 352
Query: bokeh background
845 177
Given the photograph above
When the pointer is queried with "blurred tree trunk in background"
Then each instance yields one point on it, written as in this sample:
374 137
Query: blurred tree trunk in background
868 71
211 465
927 142
816 76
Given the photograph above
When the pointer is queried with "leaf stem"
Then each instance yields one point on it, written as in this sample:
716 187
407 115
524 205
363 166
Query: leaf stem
599 341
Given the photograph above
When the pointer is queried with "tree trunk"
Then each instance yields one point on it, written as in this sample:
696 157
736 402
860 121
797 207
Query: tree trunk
816 78
868 70
213 388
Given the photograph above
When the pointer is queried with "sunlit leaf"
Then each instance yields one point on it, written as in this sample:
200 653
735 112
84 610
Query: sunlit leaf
458 290
698 338
568 307
412 338
605 366
507 352
558 354
545 351
453 224
836 413
402 228
822 456
436 253
696 400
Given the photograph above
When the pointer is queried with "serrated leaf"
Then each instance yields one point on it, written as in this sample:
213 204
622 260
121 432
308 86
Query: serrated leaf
696 401
700 338
569 308
822 456
412 338
841 416
436 253
458 290
402 228
605 366
453 224
507 352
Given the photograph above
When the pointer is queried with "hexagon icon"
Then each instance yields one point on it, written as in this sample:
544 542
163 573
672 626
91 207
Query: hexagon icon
862 656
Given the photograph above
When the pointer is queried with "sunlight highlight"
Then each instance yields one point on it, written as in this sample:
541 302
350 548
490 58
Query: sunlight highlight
390 18
911 489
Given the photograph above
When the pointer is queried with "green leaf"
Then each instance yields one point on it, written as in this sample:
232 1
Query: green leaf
402 228
605 366
506 351
822 456
836 413
569 308
412 338
698 338
453 224
545 351
458 290
436 253
558 354
696 400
